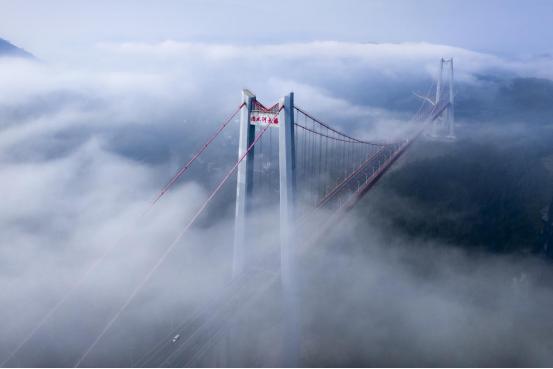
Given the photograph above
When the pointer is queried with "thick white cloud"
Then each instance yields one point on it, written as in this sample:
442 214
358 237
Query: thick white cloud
169 83
84 147
391 60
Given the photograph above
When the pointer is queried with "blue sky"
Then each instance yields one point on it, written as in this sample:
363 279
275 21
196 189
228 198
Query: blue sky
505 27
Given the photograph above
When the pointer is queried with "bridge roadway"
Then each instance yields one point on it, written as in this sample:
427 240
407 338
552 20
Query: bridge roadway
198 331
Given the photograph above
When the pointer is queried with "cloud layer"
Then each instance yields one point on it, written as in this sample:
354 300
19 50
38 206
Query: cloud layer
83 147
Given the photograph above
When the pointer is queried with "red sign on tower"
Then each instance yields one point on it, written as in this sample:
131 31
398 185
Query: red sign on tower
262 115
262 118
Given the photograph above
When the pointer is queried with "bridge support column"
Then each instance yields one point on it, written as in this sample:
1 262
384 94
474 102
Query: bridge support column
451 107
244 185
287 176
438 96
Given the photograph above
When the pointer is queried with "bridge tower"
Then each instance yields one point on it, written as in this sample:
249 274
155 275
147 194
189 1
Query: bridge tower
439 82
450 117
444 96
244 182
279 117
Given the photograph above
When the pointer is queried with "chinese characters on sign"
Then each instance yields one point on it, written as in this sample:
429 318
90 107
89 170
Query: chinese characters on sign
262 118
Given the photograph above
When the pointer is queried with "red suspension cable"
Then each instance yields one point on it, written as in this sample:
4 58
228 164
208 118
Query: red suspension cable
169 248
186 166
334 130
345 180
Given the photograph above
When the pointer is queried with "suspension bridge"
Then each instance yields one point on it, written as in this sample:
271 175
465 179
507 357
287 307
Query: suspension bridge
309 171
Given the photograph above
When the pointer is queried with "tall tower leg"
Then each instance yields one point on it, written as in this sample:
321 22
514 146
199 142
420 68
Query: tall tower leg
438 95
244 184
451 108
244 188
287 249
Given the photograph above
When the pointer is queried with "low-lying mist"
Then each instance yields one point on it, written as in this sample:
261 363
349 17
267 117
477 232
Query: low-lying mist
434 267
372 298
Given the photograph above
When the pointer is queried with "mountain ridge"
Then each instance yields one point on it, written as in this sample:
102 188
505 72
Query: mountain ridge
9 49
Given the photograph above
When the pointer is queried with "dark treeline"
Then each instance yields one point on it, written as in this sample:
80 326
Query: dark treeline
492 188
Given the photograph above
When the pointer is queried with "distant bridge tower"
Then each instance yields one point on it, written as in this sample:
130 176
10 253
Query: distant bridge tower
444 96
450 117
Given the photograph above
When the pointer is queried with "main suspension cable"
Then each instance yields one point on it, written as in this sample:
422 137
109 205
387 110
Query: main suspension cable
168 250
